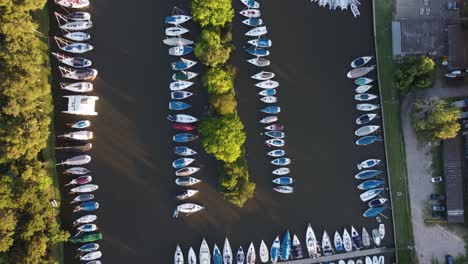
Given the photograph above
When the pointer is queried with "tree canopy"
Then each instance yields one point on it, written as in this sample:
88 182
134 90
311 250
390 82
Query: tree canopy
209 48
414 73
224 103
218 80
235 182
212 12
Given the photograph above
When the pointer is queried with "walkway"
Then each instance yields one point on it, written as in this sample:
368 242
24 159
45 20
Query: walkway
349 255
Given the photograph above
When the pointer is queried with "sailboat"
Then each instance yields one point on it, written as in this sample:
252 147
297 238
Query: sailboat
269 99
76 171
240 256
85 219
366 130
257 31
187 208
76 160
368 163
78 16
176 19
175 31
277 153
183 64
275 143
180 50
283 180
83 198
251 257
260 62
361 61
370 184
326 244
263 252
217 257
338 241
186 171
363 88
281 171
178 256
376 236
87 206
260 42
368 195
186 181
382 231
184 151
182 162
182 118
251 3
363 81
78 87
367 140
367 107
80 180
250 13
91 256
77 36
268 119
312 243
286 246
81 124
178 105
365 97
185 194
296 248
72 47
365 237
257 51
347 243
253 21
263 76
365 118
73 3
359 72
275 250
76 62
90 247
86 74
192 258
205 256
76 148
377 202
183 75
177 41
281 161
227 252
356 239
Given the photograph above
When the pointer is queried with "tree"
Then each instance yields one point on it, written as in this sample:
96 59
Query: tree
414 73
224 103
223 137
435 119
209 48
218 80
212 12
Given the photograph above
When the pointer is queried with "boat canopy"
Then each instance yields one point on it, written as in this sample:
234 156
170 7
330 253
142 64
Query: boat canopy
81 105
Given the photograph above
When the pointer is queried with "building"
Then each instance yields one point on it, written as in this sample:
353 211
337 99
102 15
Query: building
457 47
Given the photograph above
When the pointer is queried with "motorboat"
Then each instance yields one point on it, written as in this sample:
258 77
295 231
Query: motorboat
368 163
81 124
268 84
180 50
267 92
361 61
83 198
312 245
76 160
78 87
187 208
382 231
192 257
355 10
240 256
365 237
227 252
253 21
85 238
184 151
367 140
269 119
177 41
77 36
78 16
377 202
182 162
260 62
260 42
178 256
182 64
284 189
76 171
76 62
78 135
275 127
91 256
367 107
186 181
184 75
365 118
251 3
347 243
73 3
72 47
183 127
85 219
263 76
271 110
77 25
86 228
205 256
286 246
250 13
296 249
365 97
281 171
88 206
359 72
366 130
217 257
90 247
178 105
326 245
338 241
257 31
175 31
370 194
259 52
179 85
367 174
376 236
356 239
87 74
80 180
251 256
76 148
281 161
276 153
370 184
176 19
363 81
185 194
283 180
275 252
186 171
184 137
182 118
363 88
275 142
269 99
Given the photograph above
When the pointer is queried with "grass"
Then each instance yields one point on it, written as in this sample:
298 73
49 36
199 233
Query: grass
395 150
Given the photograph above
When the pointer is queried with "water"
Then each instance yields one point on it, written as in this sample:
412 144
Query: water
312 48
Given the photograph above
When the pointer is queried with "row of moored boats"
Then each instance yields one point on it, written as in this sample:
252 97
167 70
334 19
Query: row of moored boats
342 4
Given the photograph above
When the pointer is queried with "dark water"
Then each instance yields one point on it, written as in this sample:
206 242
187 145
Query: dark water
312 48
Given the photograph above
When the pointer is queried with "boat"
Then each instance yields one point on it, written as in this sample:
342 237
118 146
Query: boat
350 261
269 119
186 181
326 245
87 74
381 260
87 206
87 228
183 75
363 81
217 257
84 188
311 243
176 19
284 189
286 246
338 241
183 127
365 97
253 21
185 194
259 52
268 84
186 171
365 118
347 243
251 3
281 171
182 162
177 41
367 107
368 140
77 36
251 256
78 16
363 88
275 127
76 171
80 180
375 260
182 64
271 110
382 231
275 142
83 198
91 256
296 249
90 247
356 239
368 260
192 257
373 211
184 137
359 261
257 31
240 256
365 237
368 163
276 153
263 76
184 151
73 3
72 47
367 174
85 238
281 161
376 236
250 13
175 31
85 219
366 130
361 61
178 256
260 42
370 184
263 252
275 252
359 72
76 62
77 160
205 256
180 50
76 25
76 148
81 124
178 105
377 202
187 208
283 180
370 194
267 92
260 62
179 95
78 87
227 252
179 85
269 99
182 118
354 9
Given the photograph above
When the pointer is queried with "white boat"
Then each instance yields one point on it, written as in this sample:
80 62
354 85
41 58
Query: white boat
263 252
365 118
368 260
76 171
78 16
338 241
275 142
375 260
72 47
184 75
251 256
367 107
79 135
269 99
311 242
358 72
227 252
250 13
84 188
205 255
251 3
276 153
382 231
73 3
256 32
370 194
76 161
186 171
77 25
366 130
180 50
355 10
179 95
326 244
368 163
176 31
87 74
347 243
365 97
185 194
86 219
91 256
180 85
186 181
176 41
365 237
268 84
260 62
76 62
79 87
187 208
240 256
363 88
361 61
263 75
77 36
178 256
281 171
260 42
192 257
269 119
350 261
376 236
177 19
381 260
253 22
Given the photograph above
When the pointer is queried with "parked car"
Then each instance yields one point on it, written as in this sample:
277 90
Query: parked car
436 179
438 208
449 259
437 197
438 215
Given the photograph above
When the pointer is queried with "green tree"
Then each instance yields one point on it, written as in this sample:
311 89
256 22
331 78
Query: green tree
223 137
209 48
212 12
218 80
224 103
414 73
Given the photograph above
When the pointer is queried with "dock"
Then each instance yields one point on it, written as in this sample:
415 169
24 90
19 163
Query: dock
348 255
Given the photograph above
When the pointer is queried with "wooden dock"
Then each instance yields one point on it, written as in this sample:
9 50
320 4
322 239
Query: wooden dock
348 255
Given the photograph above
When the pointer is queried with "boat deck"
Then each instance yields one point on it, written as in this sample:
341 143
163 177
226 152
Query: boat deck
348 255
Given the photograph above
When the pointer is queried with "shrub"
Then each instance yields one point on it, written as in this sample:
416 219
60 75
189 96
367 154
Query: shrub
209 48
212 12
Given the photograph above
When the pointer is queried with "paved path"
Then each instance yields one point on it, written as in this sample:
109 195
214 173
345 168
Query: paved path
430 241
349 255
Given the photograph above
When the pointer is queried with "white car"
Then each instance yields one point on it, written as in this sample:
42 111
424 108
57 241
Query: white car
436 179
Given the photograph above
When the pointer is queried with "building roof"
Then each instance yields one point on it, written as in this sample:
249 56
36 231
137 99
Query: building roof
452 151
81 105
458 47
396 38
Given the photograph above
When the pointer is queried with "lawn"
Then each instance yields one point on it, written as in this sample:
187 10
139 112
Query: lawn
395 150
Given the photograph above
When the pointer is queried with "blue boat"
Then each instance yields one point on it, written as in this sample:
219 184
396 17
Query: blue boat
373 212
286 246
275 134
367 174
180 50
178 105
217 258
370 184
184 137
257 51
363 81
184 151
281 161
275 250
87 206
283 180
260 42
267 92
88 247
367 140
271 109
276 153
253 21
182 162
377 202
182 64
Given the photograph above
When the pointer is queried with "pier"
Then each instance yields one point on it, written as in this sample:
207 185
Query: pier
343 256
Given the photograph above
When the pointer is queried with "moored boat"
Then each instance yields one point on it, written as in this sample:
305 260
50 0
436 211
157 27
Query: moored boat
186 171
240 256
77 36
187 208
73 3
91 256
81 124
259 52
284 189
363 88
186 181
72 47
205 256
367 174
184 137
267 92
260 42
366 130
80 180
183 127
180 50
182 162
182 64
263 252
83 198
296 249
87 206
275 127
175 31
176 19
177 41
368 260
281 161
382 231
311 243
260 62
274 142
227 252
76 148
217 257
78 16
267 84
376 236
276 153
77 25
347 243
86 74
273 109
185 194
356 239
257 31
363 81
275 252
361 61
251 256
78 87
368 163
370 184
182 118
250 3
263 76
283 180
359 72
253 21
367 107
269 99
365 118
76 160
338 241
192 257
367 140
87 228
250 13
178 105
76 62
269 119
179 95
286 246
377 202
183 75
365 237
370 194
326 244
89 247
281 171
178 256
85 219
184 151
365 97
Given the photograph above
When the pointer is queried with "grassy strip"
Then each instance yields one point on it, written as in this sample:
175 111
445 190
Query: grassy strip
383 12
